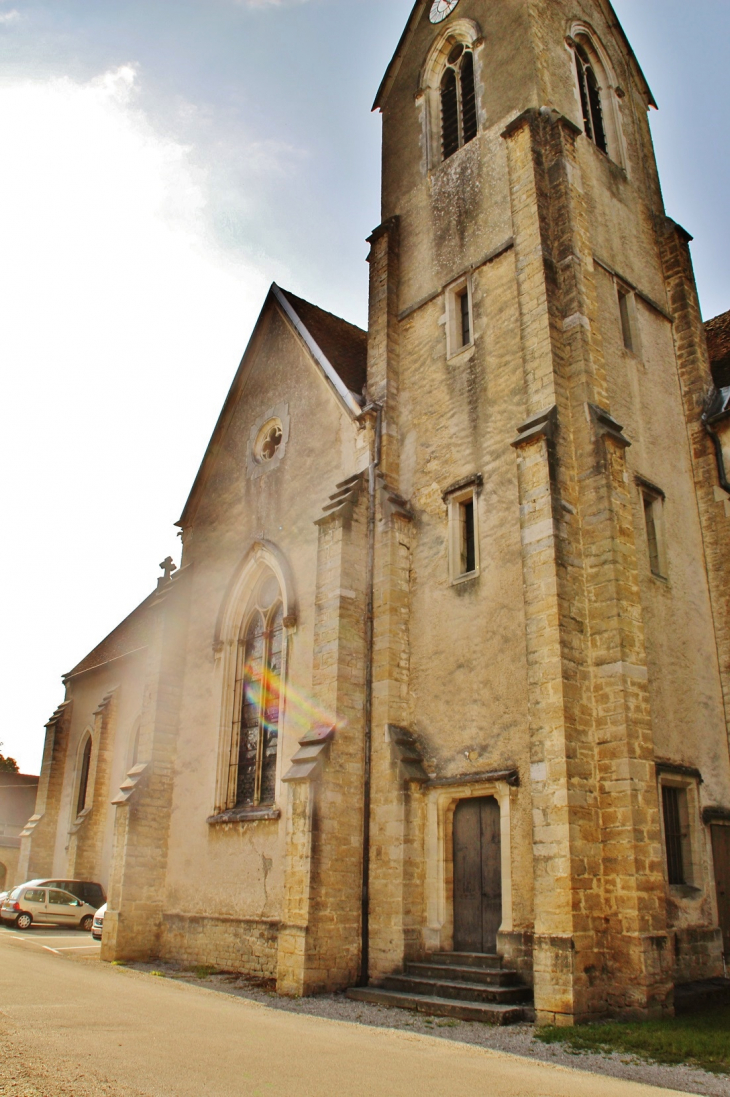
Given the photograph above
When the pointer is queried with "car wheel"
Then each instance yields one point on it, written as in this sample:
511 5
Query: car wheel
23 921
86 923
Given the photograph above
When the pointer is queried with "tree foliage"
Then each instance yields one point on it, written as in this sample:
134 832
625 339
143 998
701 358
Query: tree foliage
7 765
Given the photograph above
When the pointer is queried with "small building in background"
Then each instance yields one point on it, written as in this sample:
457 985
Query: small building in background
17 802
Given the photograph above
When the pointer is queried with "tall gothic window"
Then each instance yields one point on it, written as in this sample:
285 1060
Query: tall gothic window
590 98
255 741
84 778
458 101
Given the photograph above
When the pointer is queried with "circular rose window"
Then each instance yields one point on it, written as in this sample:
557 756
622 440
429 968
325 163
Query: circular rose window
268 441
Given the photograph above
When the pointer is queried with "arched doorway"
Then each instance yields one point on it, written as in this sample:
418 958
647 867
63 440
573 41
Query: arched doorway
3 876
477 875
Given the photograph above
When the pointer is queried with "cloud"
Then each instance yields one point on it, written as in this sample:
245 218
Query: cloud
8 17
123 323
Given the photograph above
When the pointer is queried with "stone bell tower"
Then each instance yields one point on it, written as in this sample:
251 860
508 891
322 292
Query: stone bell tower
524 349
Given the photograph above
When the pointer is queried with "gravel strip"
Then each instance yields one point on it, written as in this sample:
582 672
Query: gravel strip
514 1039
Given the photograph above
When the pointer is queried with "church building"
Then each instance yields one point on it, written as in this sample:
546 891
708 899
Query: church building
439 693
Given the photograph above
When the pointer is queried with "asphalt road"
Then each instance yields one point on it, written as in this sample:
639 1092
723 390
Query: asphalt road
71 1029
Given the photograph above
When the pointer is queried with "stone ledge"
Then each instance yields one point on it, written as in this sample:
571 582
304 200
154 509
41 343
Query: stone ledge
244 815
511 776
273 923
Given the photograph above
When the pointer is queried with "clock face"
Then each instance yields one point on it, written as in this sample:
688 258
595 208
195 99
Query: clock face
442 9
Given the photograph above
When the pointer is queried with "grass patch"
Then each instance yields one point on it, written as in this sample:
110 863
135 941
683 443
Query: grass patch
203 971
159 974
697 1039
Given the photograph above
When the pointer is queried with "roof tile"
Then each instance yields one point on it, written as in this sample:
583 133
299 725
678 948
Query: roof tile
344 344
718 337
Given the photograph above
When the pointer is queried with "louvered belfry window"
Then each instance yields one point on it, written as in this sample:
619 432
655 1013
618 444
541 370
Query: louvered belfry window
590 99
256 711
458 102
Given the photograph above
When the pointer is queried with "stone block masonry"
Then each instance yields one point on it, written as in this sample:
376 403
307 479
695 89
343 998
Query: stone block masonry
243 945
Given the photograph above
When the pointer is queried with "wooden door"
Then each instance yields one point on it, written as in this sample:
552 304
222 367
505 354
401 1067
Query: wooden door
477 875
721 856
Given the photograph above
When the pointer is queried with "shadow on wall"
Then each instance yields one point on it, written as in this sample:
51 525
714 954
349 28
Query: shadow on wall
3 876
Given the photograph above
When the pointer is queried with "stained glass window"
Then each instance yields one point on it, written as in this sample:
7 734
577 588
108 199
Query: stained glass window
256 711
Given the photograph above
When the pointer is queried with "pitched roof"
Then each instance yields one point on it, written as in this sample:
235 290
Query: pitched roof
718 337
345 345
337 348
130 635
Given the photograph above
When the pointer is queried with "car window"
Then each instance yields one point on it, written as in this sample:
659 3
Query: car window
16 893
61 898
35 895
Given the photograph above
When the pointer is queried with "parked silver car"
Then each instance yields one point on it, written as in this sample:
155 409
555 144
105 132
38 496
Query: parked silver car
29 903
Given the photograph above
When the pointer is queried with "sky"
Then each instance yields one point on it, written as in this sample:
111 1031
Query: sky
163 162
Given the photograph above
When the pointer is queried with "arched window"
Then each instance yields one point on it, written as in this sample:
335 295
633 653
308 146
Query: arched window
84 777
255 739
458 101
590 98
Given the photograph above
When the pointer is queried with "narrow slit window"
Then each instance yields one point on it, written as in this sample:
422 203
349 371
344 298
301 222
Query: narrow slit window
84 779
463 535
676 832
624 304
459 121
459 317
590 97
651 504
468 537
465 317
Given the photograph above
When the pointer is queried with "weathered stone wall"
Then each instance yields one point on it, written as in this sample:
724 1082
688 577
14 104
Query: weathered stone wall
237 869
321 931
230 944
40 837
85 845
554 679
133 923
583 682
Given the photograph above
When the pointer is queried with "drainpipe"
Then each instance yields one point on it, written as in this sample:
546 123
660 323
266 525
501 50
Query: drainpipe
718 451
369 635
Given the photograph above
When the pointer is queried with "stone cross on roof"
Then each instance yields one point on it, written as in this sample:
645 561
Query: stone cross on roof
168 567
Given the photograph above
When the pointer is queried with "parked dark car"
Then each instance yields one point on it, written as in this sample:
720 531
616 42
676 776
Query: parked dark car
86 890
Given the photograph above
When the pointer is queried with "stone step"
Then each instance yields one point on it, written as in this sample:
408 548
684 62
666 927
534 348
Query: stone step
500 977
467 959
493 1013
461 991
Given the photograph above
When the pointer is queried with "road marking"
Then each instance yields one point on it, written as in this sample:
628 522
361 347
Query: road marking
46 937
73 948
49 949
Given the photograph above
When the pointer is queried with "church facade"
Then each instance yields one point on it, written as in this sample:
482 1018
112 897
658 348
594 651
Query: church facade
446 664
